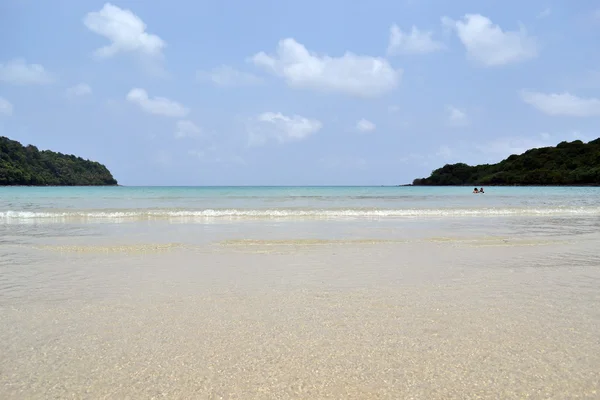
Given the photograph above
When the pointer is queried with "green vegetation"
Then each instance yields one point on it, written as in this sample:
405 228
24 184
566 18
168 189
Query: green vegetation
569 163
26 165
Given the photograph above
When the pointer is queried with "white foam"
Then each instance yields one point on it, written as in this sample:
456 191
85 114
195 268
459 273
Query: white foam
158 214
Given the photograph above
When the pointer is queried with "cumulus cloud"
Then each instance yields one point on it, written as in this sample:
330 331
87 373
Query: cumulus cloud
225 75
18 72
6 108
186 128
487 44
415 42
281 127
125 30
156 105
456 116
351 74
564 104
81 89
364 126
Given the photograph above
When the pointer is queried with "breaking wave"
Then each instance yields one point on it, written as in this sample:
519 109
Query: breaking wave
352 213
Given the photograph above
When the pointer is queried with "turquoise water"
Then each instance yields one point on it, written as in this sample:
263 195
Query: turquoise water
120 204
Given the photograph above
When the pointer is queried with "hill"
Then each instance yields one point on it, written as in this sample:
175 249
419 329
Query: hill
26 165
569 163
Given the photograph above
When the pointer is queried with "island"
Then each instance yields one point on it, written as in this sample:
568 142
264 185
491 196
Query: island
27 166
567 164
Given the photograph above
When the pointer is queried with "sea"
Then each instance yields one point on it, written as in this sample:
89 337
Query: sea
299 292
204 214
201 204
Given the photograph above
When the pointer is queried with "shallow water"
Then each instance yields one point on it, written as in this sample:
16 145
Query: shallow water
368 307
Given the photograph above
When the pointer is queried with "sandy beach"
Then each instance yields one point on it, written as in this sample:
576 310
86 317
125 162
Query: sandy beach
441 317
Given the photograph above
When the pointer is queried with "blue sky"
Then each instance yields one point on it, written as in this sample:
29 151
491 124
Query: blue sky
288 92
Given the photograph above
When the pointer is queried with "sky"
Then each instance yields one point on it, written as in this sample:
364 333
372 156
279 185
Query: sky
281 92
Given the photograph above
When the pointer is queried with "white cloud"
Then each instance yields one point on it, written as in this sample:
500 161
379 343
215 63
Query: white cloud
81 89
365 126
156 105
186 128
351 74
281 127
564 104
125 30
6 108
456 116
415 42
228 76
487 44
18 72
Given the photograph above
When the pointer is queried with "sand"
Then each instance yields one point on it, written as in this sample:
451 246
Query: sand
441 317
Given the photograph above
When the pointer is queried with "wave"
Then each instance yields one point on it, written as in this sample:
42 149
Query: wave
204 214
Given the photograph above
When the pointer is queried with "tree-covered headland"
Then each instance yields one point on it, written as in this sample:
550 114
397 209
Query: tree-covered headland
26 165
569 163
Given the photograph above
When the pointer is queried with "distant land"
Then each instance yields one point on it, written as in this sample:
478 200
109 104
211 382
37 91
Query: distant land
27 166
568 164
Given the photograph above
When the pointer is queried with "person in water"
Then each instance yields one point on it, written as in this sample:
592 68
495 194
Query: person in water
475 190
481 190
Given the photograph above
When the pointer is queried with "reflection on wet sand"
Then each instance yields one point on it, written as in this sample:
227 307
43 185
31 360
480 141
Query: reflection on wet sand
119 248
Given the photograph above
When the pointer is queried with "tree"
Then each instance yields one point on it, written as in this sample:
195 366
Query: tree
26 165
569 163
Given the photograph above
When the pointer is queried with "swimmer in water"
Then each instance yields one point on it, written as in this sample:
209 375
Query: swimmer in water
475 190
481 190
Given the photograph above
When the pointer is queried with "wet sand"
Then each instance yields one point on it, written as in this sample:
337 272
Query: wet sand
437 318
